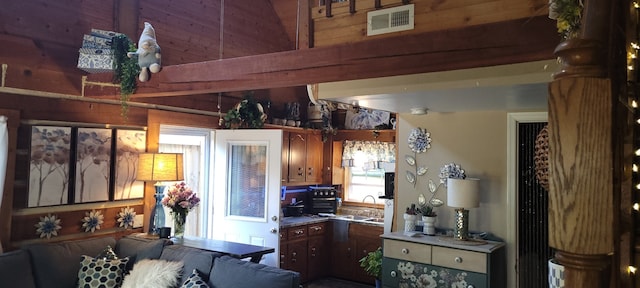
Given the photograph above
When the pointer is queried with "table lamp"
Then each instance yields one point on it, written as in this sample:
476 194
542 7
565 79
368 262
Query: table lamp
461 194
159 167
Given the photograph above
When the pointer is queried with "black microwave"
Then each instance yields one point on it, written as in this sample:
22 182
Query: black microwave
389 185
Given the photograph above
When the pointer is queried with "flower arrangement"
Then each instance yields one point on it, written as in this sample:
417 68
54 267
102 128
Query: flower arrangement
180 199
567 13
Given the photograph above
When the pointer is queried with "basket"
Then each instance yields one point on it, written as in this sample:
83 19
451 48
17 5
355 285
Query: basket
541 157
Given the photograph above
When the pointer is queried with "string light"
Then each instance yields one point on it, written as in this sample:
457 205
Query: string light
632 269
634 168
634 104
636 206
636 5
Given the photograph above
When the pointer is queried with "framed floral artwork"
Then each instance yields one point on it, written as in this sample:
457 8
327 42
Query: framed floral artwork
93 164
129 144
49 166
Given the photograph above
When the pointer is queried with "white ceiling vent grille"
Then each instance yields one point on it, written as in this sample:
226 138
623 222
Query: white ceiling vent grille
390 20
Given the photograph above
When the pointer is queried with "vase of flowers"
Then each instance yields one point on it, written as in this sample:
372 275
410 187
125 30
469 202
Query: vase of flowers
180 199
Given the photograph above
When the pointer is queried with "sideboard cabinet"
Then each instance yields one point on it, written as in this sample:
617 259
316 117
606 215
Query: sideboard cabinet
439 261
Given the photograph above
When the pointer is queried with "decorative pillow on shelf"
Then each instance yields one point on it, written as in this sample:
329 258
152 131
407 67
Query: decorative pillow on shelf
195 281
149 273
101 273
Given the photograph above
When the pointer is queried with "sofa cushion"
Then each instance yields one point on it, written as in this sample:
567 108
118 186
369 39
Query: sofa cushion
156 273
15 269
195 281
137 249
226 270
100 272
193 258
57 264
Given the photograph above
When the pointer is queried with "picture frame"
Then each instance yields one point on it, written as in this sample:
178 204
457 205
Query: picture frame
129 144
49 166
92 164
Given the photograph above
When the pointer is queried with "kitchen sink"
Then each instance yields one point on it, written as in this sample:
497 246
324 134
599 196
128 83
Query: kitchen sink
360 218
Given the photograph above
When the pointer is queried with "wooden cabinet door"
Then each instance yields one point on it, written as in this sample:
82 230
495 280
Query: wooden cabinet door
318 257
363 246
341 259
285 158
297 258
314 157
297 155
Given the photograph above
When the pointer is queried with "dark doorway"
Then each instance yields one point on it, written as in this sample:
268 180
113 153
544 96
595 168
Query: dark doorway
533 245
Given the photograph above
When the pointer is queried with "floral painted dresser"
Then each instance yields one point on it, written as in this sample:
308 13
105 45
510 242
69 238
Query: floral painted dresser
439 261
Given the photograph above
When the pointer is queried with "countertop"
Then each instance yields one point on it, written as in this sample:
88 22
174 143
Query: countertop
286 222
484 246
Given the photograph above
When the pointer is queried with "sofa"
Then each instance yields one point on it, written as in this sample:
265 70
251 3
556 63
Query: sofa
57 265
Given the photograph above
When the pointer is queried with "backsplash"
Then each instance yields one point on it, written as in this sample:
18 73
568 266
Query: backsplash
361 211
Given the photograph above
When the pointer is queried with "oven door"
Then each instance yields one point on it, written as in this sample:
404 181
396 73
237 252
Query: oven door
324 205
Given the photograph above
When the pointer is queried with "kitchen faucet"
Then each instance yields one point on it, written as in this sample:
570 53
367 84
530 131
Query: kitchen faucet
365 198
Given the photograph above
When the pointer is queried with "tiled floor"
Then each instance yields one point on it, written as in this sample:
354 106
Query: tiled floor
335 283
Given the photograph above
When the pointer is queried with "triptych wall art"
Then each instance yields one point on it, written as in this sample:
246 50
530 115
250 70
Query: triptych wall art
69 165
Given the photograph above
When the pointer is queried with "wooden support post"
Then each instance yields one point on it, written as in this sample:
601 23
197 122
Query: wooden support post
378 5
582 160
352 6
328 9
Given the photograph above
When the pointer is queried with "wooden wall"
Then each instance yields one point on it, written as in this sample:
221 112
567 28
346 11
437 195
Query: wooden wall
344 27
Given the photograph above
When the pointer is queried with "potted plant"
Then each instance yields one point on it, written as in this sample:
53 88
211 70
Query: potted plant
246 114
372 264
410 216
428 218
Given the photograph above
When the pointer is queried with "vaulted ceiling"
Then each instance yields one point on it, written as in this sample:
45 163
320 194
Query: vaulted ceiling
213 46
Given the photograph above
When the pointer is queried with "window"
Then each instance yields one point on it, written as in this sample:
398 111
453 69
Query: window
194 144
365 163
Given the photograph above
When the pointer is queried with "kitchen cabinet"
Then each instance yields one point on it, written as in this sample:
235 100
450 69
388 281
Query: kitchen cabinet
303 249
346 255
302 157
441 262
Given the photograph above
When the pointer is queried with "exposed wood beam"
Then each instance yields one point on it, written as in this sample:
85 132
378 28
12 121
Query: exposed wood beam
509 42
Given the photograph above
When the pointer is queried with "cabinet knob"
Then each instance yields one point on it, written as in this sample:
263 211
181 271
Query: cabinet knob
294 254
393 274
405 251
458 259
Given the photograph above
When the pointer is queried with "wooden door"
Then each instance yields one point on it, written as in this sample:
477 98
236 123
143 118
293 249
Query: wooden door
314 157
297 155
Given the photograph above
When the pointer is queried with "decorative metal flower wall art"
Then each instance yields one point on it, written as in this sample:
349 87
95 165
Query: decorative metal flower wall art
125 217
48 226
419 140
451 170
92 221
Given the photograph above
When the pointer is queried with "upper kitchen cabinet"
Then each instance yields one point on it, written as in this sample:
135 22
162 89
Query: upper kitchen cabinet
302 157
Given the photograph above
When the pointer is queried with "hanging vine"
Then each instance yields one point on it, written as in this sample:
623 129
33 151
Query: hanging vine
126 69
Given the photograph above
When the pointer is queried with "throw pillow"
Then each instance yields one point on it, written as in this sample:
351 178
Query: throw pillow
149 273
107 254
100 273
195 281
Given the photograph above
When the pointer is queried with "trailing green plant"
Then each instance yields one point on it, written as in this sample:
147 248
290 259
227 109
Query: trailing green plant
126 69
372 263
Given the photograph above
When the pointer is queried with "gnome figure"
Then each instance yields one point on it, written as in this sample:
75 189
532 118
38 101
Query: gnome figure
148 53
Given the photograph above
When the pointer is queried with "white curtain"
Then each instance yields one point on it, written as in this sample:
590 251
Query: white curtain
367 155
4 151
192 169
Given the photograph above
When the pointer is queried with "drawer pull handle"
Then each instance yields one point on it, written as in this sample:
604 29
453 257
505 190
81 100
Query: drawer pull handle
405 251
458 260
393 274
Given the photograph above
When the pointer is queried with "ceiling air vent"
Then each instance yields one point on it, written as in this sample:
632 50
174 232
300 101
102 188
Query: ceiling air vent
390 20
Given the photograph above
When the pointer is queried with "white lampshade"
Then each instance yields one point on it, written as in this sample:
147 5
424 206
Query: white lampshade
463 193
160 167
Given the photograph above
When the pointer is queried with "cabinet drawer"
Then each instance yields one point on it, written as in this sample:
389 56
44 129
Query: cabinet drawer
460 259
407 251
297 232
317 228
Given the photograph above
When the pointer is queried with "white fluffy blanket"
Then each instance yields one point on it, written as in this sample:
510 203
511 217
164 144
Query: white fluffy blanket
148 273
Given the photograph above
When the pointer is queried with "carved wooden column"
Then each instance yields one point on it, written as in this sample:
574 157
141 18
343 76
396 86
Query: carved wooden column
581 156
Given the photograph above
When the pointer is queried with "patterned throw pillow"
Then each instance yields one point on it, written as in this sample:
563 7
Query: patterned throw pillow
195 281
101 273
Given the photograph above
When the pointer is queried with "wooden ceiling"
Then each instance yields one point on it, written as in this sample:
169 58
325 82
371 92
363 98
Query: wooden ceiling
213 46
